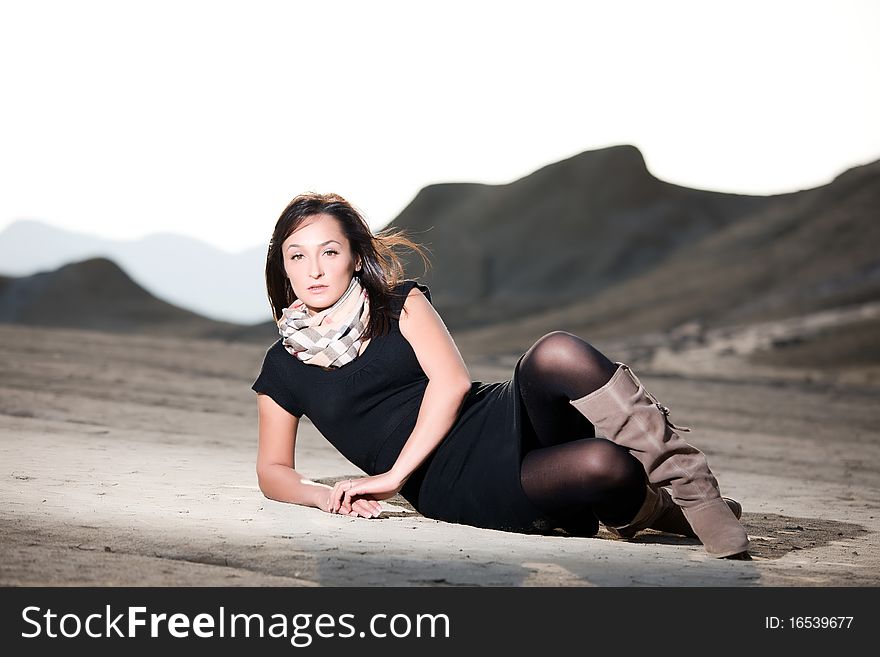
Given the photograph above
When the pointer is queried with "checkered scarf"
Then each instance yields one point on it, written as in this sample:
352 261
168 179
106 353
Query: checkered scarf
330 338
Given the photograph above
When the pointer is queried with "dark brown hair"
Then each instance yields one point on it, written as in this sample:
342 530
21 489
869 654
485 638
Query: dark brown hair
381 269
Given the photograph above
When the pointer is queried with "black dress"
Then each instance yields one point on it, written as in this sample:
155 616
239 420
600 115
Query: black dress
368 408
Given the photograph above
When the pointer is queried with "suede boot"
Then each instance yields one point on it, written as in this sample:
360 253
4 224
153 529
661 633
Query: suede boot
661 513
624 412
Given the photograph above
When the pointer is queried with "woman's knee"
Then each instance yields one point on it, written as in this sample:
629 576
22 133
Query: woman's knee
576 366
560 337
610 466
558 348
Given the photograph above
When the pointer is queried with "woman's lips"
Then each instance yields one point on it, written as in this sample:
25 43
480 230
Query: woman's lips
318 289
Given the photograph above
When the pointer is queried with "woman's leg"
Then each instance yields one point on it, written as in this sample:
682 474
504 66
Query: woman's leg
577 482
573 477
560 367
624 412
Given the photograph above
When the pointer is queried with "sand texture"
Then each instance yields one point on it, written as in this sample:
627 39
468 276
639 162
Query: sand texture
129 460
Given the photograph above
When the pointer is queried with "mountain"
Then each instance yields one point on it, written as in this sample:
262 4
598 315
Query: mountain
599 240
594 245
181 270
96 294
560 235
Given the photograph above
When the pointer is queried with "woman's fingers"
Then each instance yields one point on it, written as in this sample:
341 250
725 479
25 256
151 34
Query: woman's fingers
340 498
344 500
367 508
337 495
334 497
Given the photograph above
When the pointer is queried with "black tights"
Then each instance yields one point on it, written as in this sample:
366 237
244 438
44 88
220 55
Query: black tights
574 478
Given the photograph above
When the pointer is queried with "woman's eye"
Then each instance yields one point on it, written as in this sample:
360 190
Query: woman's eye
297 256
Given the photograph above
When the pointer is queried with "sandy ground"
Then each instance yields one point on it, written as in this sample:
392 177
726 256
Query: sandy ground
129 460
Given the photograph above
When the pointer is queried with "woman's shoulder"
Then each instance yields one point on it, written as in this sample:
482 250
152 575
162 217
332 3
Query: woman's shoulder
275 349
401 291
276 354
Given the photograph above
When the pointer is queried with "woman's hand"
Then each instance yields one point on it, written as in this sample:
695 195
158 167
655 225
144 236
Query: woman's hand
346 495
360 507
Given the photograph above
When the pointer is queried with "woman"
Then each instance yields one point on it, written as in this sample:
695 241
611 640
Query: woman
366 357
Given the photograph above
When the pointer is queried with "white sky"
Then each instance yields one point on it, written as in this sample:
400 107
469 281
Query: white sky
205 118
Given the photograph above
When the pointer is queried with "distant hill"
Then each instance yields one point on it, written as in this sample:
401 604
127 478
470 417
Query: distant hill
560 235
759 259
96 294
181 270
582 228
594 244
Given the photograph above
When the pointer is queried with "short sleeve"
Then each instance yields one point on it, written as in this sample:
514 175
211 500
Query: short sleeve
270 383
402 291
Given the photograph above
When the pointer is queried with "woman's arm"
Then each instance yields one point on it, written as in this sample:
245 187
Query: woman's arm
448 385
448 381
275 463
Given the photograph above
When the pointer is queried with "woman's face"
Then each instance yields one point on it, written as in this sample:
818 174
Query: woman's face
318 254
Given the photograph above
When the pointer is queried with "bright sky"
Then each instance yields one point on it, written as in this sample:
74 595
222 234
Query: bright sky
205 118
